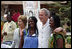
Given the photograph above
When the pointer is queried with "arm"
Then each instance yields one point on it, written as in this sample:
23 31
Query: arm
3 31
14 26
60 43
60 29
21 40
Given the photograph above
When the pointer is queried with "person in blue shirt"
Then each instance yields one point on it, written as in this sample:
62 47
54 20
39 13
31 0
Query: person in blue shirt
31 39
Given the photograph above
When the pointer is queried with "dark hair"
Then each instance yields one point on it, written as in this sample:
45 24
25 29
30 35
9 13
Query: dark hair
35 21
56 20
9 15
53 13
68 23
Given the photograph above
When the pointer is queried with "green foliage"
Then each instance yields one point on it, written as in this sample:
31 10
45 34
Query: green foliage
63 11
69 40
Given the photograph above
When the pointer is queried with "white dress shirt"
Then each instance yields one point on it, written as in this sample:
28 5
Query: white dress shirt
44 34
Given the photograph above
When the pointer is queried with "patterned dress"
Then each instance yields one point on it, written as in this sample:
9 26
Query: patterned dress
54 38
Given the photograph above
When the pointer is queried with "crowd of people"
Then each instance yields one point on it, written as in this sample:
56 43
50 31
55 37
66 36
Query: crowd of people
43 33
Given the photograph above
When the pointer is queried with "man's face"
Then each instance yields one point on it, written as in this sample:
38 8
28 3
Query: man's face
8 18
42 16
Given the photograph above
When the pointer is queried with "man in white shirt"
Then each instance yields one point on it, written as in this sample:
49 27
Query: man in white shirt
8 29
43 28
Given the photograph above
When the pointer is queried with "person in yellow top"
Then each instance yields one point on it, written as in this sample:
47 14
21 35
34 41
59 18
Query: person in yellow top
8 29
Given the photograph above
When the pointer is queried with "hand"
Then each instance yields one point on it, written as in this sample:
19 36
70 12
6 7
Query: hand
58 29
22 32
5 33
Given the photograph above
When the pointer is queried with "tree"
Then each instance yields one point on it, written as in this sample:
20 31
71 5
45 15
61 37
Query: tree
62 10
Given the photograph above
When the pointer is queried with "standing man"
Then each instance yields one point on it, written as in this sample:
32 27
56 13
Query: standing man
8 29
43 28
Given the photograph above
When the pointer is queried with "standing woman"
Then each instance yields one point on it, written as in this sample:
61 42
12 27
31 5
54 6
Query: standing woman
31 40
18 33
57 40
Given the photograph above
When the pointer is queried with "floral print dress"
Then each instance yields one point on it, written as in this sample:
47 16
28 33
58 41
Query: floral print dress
53 39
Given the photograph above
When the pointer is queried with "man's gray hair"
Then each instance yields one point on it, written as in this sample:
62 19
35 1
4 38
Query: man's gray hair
47 12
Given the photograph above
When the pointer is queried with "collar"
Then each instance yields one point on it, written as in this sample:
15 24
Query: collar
10 22
33 35
46 24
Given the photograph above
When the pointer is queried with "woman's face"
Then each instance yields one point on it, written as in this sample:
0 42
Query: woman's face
31 23
20 23
51 22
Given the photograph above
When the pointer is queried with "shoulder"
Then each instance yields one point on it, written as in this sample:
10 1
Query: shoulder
16 30
5 23
59 36
25 32
39 22
13 22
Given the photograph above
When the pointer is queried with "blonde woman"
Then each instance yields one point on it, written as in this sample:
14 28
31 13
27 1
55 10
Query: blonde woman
22 20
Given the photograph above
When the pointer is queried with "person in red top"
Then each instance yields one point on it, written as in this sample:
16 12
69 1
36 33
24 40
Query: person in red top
15 16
